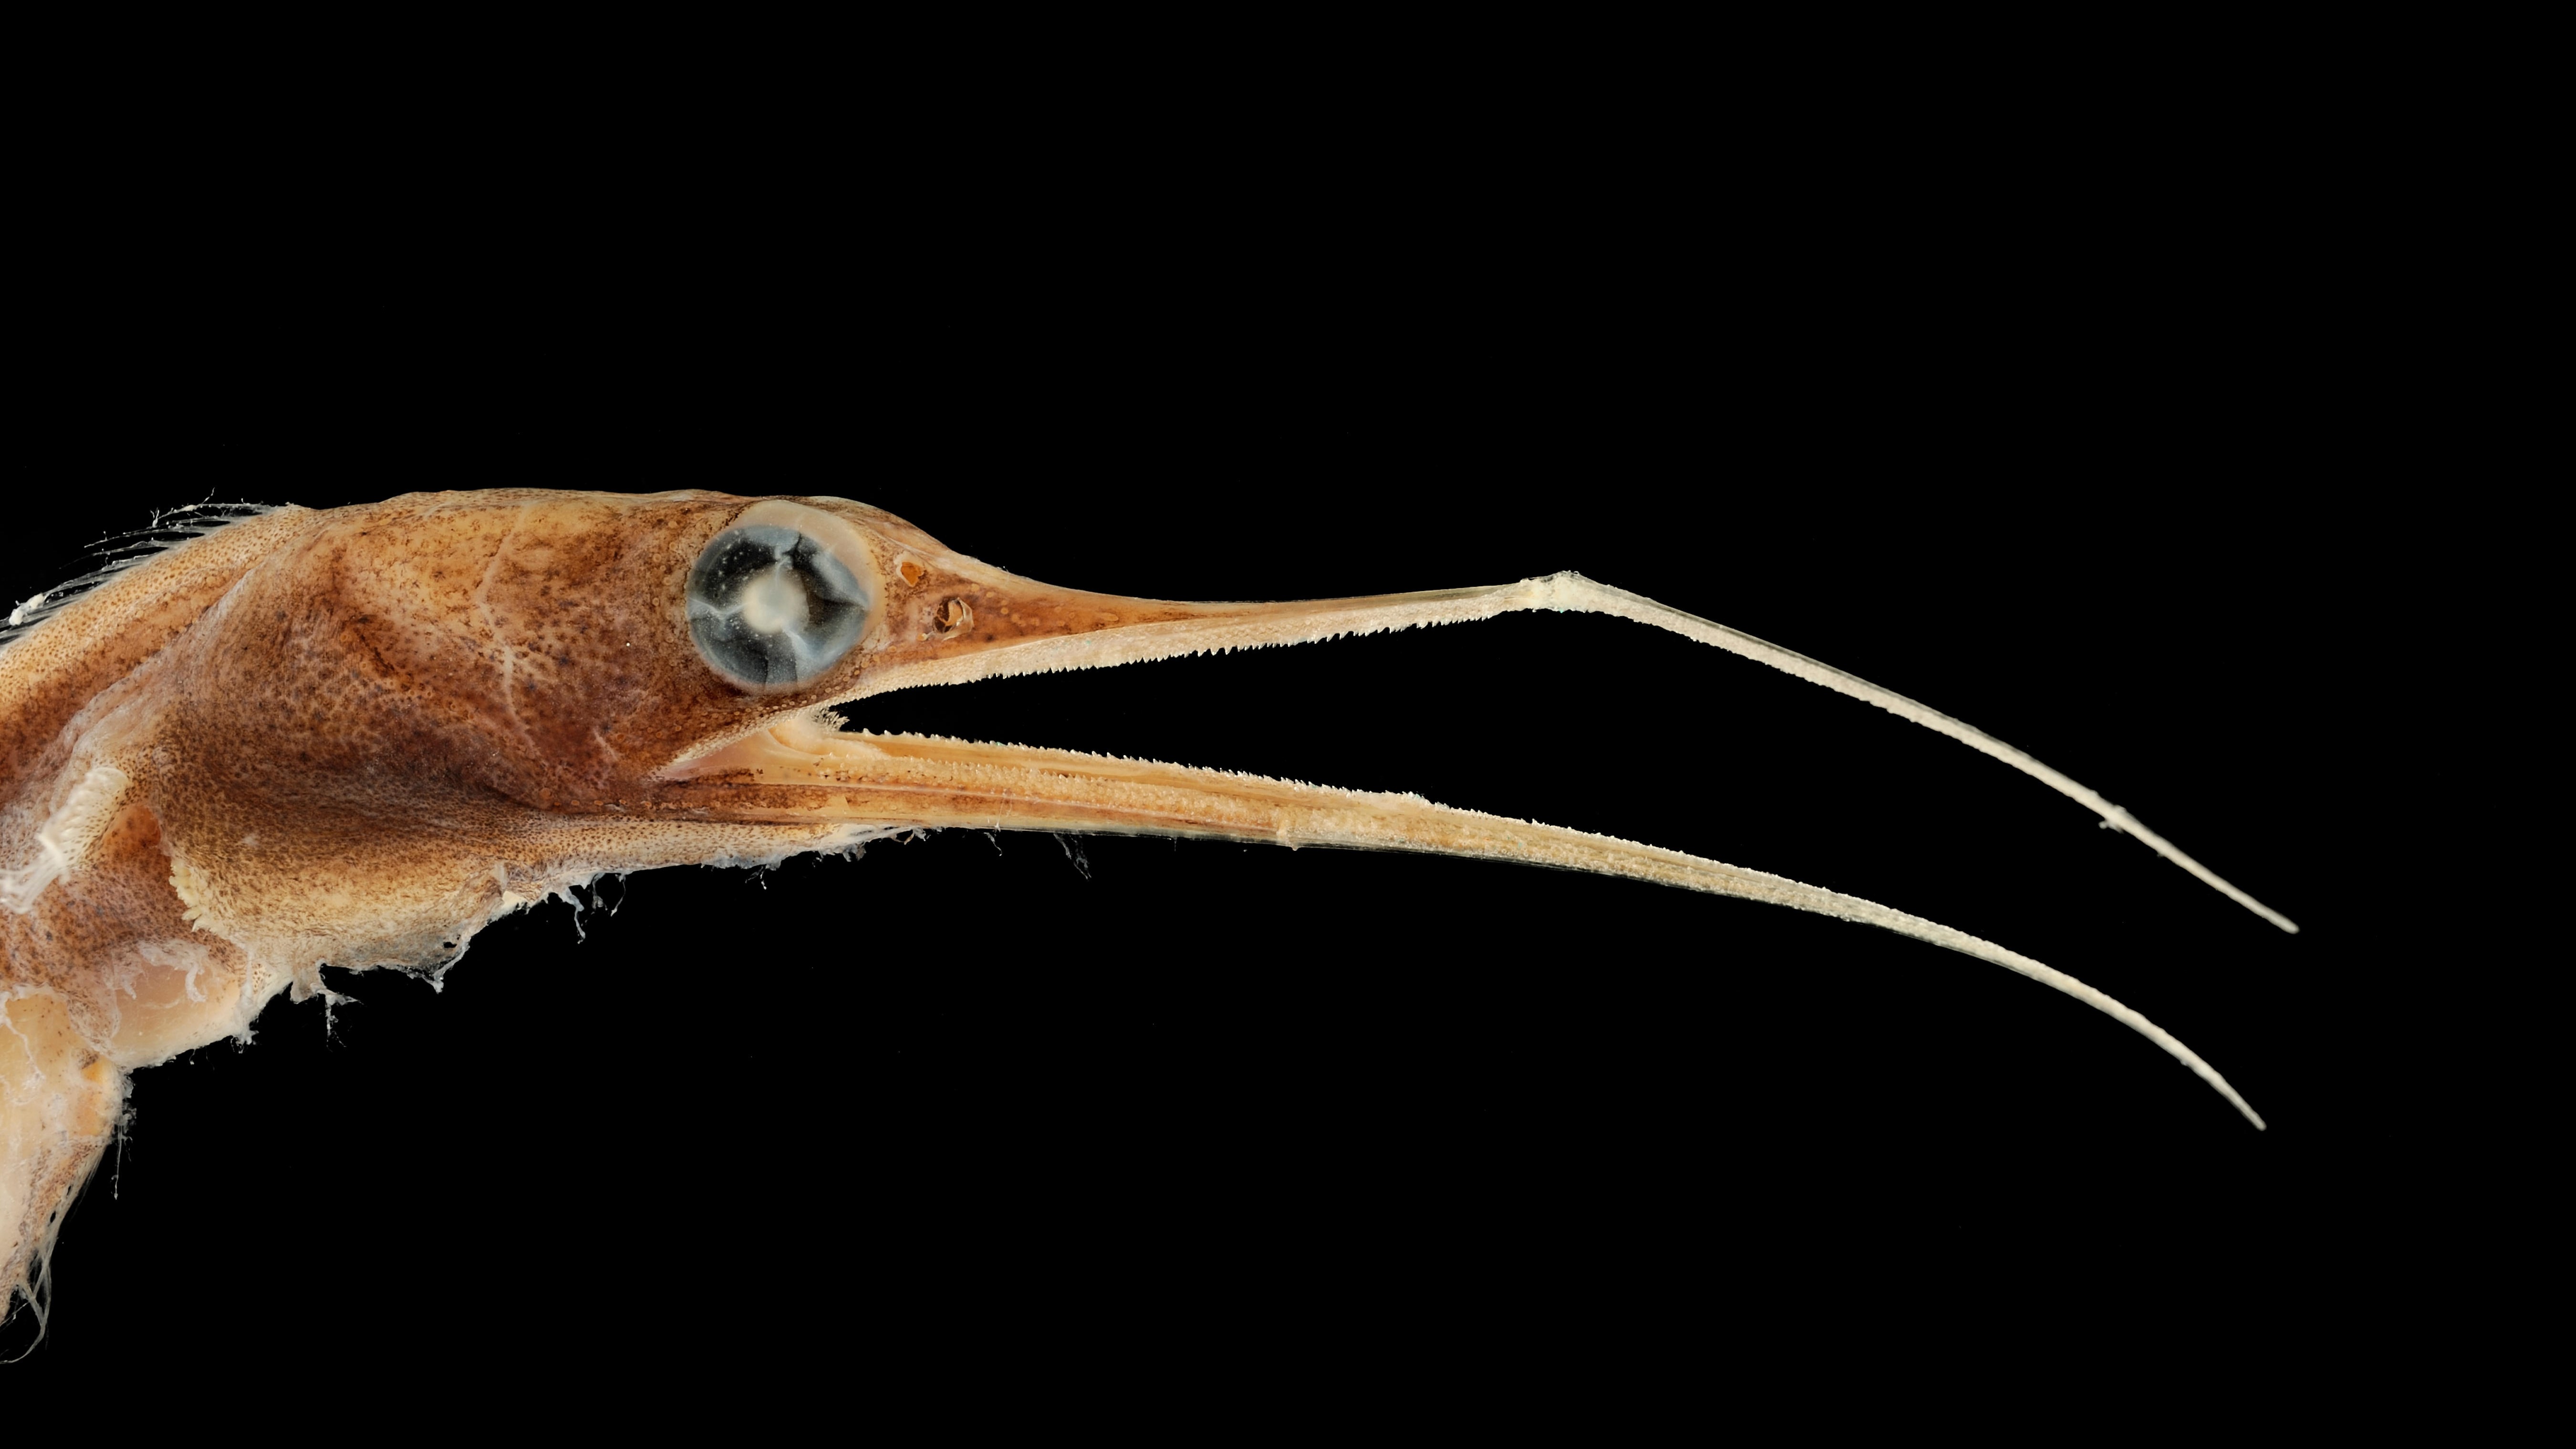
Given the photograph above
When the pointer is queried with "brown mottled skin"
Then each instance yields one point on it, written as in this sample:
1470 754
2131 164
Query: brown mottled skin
353 737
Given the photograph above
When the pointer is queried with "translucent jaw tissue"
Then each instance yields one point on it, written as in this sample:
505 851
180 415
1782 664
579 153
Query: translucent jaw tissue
207 800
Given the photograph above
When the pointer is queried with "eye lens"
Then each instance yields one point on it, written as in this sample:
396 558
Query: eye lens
770 607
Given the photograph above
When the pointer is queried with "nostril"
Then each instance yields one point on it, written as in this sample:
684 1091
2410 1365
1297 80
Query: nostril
953 616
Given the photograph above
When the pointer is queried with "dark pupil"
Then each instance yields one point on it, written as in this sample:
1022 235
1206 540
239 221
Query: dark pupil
768 605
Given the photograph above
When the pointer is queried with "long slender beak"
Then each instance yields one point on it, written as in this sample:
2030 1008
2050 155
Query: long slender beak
807 770
965 620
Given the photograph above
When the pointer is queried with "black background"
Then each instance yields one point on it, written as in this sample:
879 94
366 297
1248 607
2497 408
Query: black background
2004 441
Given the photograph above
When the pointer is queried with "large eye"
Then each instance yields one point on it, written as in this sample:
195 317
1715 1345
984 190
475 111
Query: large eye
771 605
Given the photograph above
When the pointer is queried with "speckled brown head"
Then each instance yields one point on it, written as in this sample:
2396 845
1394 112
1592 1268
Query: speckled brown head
353 737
